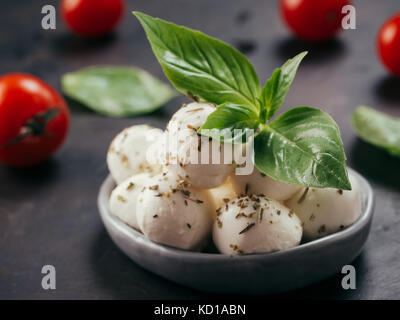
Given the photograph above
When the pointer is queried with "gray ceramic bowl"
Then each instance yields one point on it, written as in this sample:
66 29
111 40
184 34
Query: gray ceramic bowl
247 274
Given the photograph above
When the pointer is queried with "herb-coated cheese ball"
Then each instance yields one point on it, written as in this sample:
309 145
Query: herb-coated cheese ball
221 195
171 212
123 199
254 224
156 152
325 211
200 175
127 153
257 183
190 116
204 176
184 141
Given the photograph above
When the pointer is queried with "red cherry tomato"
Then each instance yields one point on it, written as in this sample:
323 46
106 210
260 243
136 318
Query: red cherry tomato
92 17
313 20
34 120
389 44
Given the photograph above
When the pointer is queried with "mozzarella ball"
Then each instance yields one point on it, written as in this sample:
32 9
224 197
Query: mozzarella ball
255 224
171 212
186 146
127 153
191 116
123 199
259 183
325 211
204 176
157 152
221 195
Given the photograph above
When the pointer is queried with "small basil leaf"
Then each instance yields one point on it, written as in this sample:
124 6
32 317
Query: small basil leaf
303 146
269 94
201 66
116 91
276 88
378 129
232 118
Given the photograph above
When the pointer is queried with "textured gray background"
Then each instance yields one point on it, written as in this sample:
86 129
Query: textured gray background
48 214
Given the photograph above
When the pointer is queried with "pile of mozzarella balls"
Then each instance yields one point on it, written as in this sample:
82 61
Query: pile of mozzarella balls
182 204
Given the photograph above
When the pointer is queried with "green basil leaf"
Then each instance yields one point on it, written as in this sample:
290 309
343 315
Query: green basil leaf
201 66
378 129
268 96
232 118
116 91
303 146
276 88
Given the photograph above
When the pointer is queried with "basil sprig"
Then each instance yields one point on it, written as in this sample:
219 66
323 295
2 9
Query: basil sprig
301 146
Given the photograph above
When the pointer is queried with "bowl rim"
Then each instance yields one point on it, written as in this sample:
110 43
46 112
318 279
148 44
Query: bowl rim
140 239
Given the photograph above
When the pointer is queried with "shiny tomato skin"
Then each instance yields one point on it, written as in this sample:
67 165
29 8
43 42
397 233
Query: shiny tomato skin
313 20
388 44
22 97
92 17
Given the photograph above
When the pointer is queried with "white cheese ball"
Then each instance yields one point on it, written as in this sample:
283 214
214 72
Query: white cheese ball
190 116
157 152
325 211
255 224
259 183
185 148
127 153
221 195
171 212
203 176
123 198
